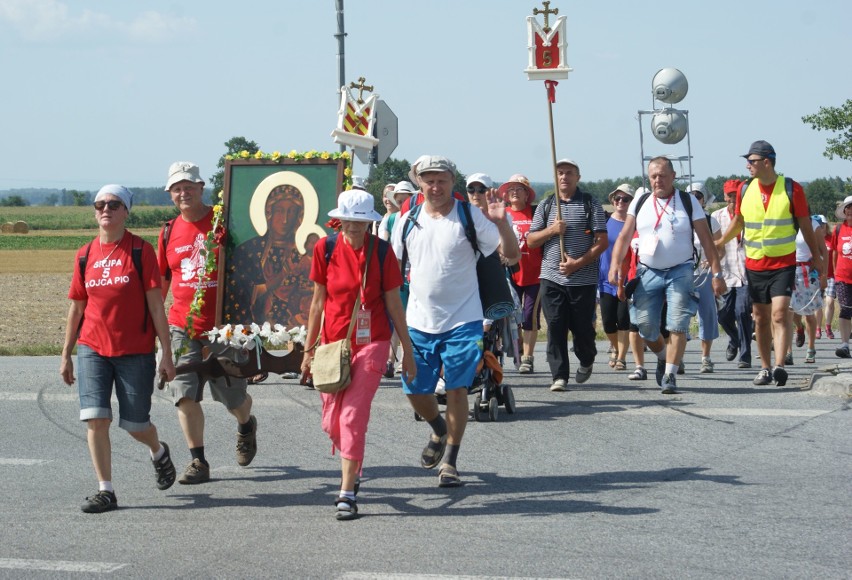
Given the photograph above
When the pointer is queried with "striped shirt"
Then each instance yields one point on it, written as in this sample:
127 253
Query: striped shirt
577 241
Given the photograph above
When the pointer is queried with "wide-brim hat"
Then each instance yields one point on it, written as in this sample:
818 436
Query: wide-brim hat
699 186
839 213
183 171
518 179
624 188
355 205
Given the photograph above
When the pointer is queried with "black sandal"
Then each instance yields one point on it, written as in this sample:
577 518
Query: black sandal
433 452
257 379
347 509
448 476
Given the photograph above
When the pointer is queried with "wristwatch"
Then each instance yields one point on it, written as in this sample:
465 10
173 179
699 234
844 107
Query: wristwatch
718 275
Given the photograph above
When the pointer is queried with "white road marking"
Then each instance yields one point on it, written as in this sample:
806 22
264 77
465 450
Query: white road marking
17 461
60 565
396 576
724 412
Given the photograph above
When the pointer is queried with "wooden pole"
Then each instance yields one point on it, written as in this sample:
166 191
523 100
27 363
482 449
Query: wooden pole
555 174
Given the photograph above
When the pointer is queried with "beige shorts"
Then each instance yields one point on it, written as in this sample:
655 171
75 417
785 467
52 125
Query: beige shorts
186 385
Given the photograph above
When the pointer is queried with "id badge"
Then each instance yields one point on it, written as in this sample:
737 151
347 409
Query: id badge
362 327
649 245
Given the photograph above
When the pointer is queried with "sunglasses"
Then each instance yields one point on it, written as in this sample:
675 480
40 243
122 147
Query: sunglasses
620 199
753 161
113 204
476 189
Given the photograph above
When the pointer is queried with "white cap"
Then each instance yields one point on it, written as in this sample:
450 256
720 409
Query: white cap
480 178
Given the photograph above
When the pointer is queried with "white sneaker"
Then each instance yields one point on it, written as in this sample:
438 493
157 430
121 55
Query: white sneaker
559 385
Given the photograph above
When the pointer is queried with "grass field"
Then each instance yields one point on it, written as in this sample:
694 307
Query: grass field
82 217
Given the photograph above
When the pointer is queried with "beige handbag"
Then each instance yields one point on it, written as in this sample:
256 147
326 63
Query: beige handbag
331 366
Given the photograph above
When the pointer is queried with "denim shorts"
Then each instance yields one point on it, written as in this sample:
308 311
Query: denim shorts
133 377
456 351
674 287
185 386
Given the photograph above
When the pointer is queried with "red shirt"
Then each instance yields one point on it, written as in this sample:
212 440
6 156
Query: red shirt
115 311
843 268
342 279
829 245
800 209
530 262
183 257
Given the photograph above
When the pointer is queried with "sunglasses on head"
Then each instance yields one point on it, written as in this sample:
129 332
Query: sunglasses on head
620 199
476 189
113 204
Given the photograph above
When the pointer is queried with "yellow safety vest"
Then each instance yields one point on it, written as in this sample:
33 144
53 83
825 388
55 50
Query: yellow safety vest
770 231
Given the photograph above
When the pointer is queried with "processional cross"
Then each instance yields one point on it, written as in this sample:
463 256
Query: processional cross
361 88
546 12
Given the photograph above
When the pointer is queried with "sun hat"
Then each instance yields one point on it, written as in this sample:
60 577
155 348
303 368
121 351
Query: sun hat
121 192
480 178
698 186
839 212
405 187
624 188
567 161
355 205
358 182
435 163
762 148
732 186
389 191
412 173
517 179
183 171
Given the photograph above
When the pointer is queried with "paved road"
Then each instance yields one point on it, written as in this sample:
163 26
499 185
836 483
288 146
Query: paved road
608 480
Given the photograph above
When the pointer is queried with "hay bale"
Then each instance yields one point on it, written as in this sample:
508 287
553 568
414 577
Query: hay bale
7 228
21 227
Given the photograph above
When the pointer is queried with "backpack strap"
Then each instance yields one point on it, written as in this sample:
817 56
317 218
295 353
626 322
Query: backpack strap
407 226
136 256
82 262
587 210
167 231
467 223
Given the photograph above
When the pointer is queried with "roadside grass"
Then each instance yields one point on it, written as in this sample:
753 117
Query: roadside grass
32 350
82 217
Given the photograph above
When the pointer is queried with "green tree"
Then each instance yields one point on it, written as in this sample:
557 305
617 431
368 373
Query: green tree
823 197
233 146
13 201
51 200
391 171
80 197
836 119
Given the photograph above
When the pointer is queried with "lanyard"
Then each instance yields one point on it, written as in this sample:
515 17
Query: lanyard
660 210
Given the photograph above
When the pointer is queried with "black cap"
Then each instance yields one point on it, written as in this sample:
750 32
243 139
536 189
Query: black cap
762 148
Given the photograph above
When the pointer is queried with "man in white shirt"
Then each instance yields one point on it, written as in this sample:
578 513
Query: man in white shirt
735 314
444 312
665 266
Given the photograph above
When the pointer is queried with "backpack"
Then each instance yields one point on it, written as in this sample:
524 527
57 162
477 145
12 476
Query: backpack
686 200
136 255
788 187
587 210
167 230
382 249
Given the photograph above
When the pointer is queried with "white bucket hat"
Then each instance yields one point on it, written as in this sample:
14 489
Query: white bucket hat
839 212
355 205
183 171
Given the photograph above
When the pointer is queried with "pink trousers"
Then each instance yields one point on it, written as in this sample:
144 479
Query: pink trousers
345 414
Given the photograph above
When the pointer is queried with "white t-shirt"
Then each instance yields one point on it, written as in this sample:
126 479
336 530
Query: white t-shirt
803 252
444 293
665 234
714 227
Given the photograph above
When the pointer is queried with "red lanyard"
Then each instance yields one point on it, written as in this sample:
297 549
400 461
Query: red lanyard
660 210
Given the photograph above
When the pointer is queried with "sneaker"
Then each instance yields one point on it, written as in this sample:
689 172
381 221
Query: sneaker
165 469
103 501
779 375
706 365
526 365
731 353
247 444
583 374
661 370
800 337
818 332
811 356
559 385
388 374
638 374
669 384
828 333
681 369
441 387
762 378
196 472
788 360
743 365
842 352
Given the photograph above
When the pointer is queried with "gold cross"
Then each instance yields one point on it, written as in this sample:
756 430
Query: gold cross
361 88
547 12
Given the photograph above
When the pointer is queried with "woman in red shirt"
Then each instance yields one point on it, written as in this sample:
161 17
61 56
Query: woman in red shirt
337 284
116 311
842 252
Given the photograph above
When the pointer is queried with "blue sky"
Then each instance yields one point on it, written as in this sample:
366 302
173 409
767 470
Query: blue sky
113 91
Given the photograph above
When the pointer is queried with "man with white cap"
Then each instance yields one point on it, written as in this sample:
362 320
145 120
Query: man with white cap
181 259
444 311
569 285
769 212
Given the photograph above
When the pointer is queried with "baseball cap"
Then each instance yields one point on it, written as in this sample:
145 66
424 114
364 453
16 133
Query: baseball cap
480 178
762 148
732 186
567 161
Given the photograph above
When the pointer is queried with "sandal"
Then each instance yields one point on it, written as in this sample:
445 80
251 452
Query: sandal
347 509
433 452
620 365
612 358
258 378
448 476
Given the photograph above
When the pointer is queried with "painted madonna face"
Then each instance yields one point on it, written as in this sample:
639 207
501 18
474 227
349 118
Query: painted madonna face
285 210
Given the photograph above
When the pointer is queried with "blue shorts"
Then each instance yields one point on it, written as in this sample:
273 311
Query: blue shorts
674 287
133 376
457 351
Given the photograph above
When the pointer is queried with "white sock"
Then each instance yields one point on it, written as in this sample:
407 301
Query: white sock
159 454
105 486
671 368
350 495
662 354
